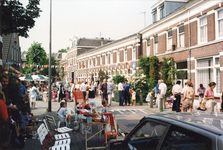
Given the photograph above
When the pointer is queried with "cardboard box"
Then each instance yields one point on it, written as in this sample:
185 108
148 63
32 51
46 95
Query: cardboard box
30 129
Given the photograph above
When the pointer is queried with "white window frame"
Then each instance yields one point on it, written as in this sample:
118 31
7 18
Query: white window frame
199 30
216 23
147 48
106 59
155 48
178 37
100 59
111 58
169 38
214 67
125 55
118 56
134 52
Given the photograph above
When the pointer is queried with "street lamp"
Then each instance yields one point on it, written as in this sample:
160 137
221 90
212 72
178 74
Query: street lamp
49 91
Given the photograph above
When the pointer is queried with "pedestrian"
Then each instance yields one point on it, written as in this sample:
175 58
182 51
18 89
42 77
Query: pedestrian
62 112
170 100
157 93
188 99
110 90
104 90
77 86
61 92
202 101
83 89
90 97
185 87
23 90
104 104
99 90
221 103
121 93
33 94
149 97
133 97
161 96
95 87
69 90
127 87
209 97
176 90
72 90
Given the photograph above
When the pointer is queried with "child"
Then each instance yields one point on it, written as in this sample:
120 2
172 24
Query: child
54 96
24 119
67 95
94 113
170 100
149 96
62 112
133 97
104 103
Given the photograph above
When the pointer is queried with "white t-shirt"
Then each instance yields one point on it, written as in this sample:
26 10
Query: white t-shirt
120 87
32 92
77 86
62 112
177 88
163 88
83 87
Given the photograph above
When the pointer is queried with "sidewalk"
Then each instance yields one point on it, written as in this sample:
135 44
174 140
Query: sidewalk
126 123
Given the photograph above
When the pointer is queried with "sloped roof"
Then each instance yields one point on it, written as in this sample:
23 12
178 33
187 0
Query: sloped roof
91 42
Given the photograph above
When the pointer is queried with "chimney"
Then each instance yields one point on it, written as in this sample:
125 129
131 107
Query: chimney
102 41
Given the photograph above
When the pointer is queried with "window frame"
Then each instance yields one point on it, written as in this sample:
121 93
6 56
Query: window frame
118 56
216 24
155 48
148 47
106 59
169 47
111 58
134 53
199 29
125 55
178 36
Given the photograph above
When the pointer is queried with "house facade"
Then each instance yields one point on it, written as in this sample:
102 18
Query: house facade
190 31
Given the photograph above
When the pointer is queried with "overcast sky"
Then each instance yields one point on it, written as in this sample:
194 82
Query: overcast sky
82 18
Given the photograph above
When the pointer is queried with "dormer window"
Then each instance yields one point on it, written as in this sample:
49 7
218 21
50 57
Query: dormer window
154 12
161 7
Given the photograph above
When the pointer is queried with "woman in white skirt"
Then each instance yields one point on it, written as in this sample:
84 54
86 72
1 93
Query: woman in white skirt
90 97
209 97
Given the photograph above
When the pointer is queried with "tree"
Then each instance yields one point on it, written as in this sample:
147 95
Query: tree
102 75
19 19
144 64
36 55
62 51
116 79
53 63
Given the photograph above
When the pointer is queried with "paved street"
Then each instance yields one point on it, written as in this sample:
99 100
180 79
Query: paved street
126 116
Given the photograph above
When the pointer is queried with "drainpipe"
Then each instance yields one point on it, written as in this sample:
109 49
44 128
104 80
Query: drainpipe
189 45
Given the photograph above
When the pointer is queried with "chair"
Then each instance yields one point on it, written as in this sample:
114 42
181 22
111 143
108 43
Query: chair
51 122
56 137
61 120
62 144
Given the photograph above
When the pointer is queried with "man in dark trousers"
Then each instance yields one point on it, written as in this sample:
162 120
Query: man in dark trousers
61 93
126 92
177 89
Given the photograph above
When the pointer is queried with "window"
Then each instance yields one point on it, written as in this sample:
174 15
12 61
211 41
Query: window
220 23
208 70
118 56
161 7
169 40
106 59
125 55
203 29
154 12
182 72
134 53
111 60
148 48
148 135
155 45
96 61
12 53
100 60
179 138
181 36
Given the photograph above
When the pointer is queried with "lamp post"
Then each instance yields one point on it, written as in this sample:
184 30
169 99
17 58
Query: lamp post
49 92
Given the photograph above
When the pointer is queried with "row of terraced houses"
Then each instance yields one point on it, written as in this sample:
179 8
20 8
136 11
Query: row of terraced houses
190 31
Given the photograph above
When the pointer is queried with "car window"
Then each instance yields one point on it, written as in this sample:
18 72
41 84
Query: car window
183 139
147 137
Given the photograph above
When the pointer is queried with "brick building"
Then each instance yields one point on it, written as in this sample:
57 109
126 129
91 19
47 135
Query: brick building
190 31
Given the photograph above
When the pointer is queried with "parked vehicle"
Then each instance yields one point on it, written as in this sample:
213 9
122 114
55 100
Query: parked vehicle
176 131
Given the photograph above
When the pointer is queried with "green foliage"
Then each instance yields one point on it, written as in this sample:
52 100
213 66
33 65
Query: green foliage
19 19
116 79
102 76
61 74
36 55
168 73
144 64
92 77
62 51
153 65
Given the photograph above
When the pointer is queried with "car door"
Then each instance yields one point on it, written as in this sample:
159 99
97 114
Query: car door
183 138
147 135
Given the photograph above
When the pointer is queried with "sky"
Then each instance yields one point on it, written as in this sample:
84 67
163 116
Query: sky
90 19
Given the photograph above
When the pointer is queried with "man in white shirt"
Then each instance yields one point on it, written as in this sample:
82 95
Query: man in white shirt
83 89
162 93
177 89
121 93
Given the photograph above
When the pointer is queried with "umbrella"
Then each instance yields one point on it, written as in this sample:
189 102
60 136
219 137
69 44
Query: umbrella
30 78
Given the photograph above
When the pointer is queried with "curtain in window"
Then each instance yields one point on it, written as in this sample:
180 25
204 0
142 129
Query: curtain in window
205 62
169 43
181 40
220 22
203 29
204 77
218 81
